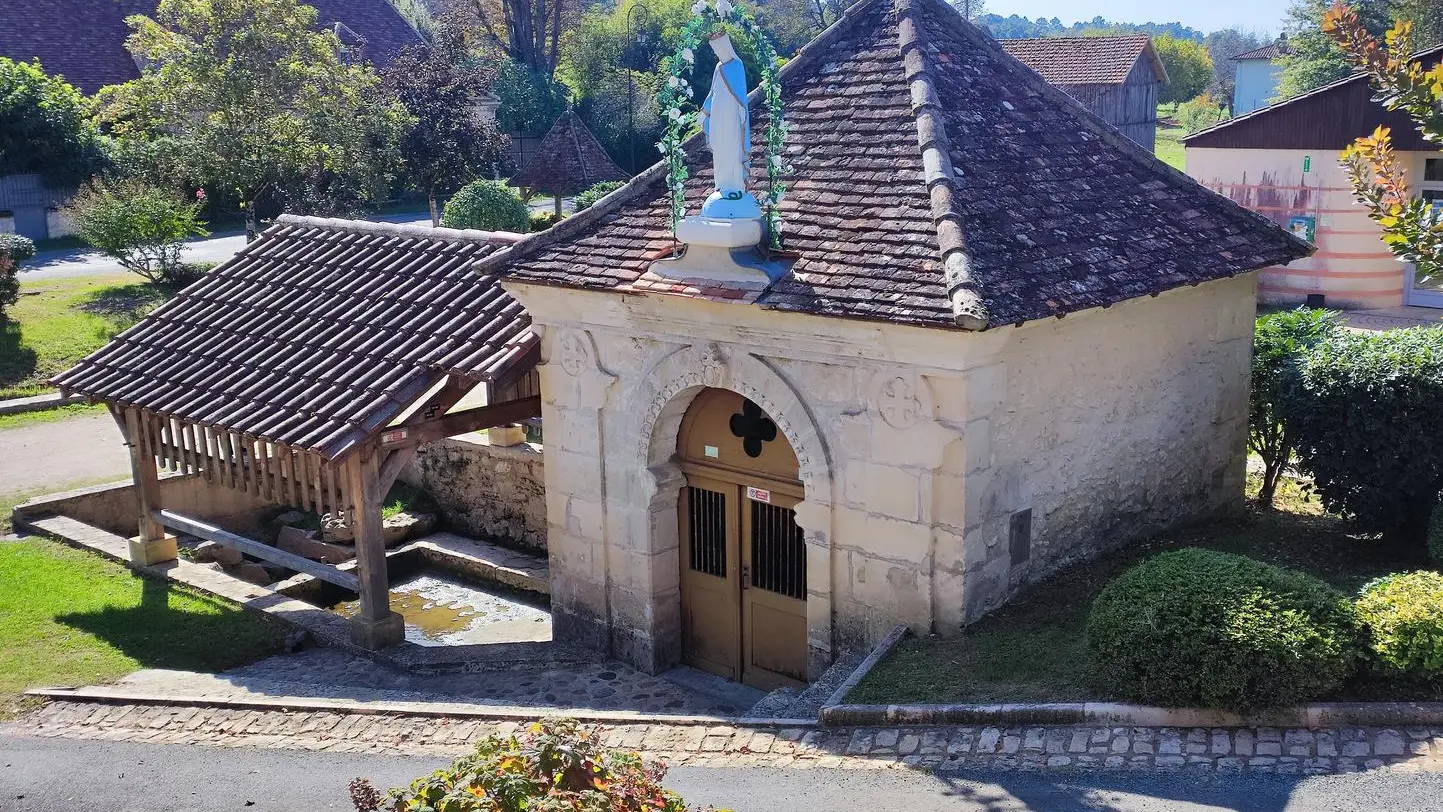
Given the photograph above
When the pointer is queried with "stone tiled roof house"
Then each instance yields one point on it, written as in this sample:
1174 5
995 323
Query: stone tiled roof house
999 337
1118 78
1006 338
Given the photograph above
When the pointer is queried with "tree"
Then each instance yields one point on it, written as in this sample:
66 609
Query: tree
14 249
1315 60
973 10
43 126
248 96
1426 17
1281 342
530 101
140 226
1412 228
449 144
1222 46
1189 68
527 31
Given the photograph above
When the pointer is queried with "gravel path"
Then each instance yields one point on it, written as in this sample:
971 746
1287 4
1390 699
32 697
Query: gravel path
59 454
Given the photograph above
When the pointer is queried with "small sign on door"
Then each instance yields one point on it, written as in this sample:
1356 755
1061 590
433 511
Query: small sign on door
759 495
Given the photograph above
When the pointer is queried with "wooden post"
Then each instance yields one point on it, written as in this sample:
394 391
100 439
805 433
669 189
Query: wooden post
153 545
376 626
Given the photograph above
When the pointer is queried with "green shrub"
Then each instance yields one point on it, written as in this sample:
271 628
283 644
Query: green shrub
542 220
1200 627
556 766
1200 113
488 205
1280 343
139 225
1367 422
1403 614
14 249
586 199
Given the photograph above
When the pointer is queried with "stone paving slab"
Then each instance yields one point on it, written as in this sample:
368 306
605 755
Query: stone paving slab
942 748
487 561
333 674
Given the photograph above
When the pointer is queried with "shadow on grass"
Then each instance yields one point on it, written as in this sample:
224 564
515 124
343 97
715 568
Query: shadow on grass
125 304
212 637
17 361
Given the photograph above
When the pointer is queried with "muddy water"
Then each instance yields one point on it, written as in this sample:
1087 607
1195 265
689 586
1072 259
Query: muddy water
443 611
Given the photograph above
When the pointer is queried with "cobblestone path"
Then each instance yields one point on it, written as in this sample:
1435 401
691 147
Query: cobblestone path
1260 750
331 673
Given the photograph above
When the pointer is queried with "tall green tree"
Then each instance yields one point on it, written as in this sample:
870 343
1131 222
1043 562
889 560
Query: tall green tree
1316 60
440 86
1189 68
1426 17
250 97
1222 46
44 127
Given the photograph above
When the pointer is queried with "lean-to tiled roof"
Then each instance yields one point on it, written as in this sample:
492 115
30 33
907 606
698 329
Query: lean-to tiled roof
569 160
317 334
1085 60
937 182
84 40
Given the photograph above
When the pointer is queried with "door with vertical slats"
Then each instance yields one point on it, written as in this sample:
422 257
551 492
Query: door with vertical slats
774 594
710 582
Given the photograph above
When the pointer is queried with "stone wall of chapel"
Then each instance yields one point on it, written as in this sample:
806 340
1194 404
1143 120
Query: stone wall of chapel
1109 426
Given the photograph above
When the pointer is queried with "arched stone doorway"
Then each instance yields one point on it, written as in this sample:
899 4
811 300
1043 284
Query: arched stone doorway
743 557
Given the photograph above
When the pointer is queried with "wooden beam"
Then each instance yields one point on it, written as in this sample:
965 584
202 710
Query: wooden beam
362 479
251 547
484 417
395 461
145 476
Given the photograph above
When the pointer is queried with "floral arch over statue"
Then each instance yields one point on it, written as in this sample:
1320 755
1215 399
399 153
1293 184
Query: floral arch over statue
676 98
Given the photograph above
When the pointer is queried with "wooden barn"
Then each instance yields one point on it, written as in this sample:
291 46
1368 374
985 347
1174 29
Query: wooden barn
1282 162
1118 78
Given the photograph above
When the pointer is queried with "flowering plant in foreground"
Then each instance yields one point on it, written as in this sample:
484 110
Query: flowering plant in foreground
552 766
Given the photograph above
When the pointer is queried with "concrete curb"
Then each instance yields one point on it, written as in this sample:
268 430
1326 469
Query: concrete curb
38 402
1320 715
879 651
429 710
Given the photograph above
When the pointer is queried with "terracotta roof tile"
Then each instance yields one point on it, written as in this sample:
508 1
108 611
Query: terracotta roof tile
1082 60
568 160
316 333
1043 210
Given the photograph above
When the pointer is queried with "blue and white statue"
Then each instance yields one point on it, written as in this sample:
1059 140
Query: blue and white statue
727 124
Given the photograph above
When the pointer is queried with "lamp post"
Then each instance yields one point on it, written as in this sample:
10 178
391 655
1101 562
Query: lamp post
637 18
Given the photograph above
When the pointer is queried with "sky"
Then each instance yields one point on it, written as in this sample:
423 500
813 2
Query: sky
1204 15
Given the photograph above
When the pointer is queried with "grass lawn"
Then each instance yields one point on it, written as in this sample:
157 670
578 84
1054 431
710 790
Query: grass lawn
1035 649
72 618
1169 145
15 421
57 322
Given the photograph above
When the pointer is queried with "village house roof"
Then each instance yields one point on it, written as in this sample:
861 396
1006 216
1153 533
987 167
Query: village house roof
568 160
316 334
1049 209
1086 60
1273 50
1326 118
84 40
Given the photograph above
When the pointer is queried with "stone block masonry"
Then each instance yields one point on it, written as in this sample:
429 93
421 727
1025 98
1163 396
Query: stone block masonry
483 490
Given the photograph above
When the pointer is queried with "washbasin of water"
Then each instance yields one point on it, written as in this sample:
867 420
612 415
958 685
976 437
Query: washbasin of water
440 610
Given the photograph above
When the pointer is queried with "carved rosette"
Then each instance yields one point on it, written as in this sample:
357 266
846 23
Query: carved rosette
573 353
901 399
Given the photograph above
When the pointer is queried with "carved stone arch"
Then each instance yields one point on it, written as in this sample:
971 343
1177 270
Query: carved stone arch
661 397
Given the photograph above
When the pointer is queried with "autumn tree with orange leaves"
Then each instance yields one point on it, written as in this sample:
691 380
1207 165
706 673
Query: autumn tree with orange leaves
1412 228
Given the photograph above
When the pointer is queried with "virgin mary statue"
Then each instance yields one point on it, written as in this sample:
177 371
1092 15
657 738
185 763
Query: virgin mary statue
727 125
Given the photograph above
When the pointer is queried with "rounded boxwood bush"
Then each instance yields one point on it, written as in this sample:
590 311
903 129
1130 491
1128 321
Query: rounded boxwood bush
1403 614
589 197
1204 628
488 205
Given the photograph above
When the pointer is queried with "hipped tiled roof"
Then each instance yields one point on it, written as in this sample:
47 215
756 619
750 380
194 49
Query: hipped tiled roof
317 334
1272 50
84 40
568 160
937 182
1085 60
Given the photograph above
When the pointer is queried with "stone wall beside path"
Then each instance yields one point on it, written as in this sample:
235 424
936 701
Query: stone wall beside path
483 490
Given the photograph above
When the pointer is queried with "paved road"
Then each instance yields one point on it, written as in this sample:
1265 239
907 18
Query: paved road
61 775
73 262
59 453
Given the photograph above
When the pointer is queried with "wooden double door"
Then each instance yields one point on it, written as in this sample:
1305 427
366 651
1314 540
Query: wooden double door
743 582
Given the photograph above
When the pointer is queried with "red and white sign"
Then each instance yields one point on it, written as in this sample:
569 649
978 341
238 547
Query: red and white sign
759 495
393 436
